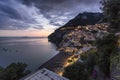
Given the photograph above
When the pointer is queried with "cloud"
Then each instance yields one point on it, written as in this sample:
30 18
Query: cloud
41 14
15 15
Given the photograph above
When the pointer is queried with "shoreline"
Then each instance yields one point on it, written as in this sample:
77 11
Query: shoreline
52 64
56 62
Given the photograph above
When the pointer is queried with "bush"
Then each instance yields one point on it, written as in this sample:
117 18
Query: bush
76 71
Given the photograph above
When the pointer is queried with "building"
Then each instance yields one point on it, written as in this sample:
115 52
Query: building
44 74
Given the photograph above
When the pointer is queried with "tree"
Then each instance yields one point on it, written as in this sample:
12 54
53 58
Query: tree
111 10
14 71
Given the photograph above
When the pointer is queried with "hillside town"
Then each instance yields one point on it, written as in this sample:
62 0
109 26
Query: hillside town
80 40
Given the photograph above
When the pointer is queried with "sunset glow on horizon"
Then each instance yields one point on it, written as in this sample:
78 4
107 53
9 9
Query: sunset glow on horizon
29 33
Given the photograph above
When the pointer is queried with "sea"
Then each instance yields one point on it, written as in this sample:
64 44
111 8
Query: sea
34 51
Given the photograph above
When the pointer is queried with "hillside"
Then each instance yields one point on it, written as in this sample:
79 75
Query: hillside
87 37
82 19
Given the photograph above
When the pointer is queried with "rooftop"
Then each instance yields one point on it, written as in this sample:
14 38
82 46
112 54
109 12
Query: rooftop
45 74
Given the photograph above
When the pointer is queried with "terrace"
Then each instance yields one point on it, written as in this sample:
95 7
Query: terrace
44 74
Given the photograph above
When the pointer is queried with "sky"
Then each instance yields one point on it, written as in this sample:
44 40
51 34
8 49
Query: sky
40 17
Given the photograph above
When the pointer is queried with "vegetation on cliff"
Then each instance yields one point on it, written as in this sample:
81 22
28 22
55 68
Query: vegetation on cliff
111 10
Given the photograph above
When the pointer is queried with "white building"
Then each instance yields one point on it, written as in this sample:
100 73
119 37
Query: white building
44 74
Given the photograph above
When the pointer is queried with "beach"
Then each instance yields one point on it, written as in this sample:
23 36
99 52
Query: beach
56 62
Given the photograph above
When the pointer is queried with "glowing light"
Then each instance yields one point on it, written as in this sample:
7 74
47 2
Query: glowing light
60 73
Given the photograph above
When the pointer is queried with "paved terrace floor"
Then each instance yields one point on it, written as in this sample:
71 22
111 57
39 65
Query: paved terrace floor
44 74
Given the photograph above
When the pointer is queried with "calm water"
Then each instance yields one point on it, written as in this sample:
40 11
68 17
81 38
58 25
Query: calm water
33 51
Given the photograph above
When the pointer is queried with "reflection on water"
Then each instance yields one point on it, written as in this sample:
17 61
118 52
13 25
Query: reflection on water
33 51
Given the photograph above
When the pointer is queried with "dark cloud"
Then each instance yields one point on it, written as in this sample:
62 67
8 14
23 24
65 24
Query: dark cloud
88 2
61 7
8 11
23 14
14 15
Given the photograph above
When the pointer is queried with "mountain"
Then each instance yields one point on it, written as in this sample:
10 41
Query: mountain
82 19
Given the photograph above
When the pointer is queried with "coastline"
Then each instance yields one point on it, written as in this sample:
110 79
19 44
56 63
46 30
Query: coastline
56 62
